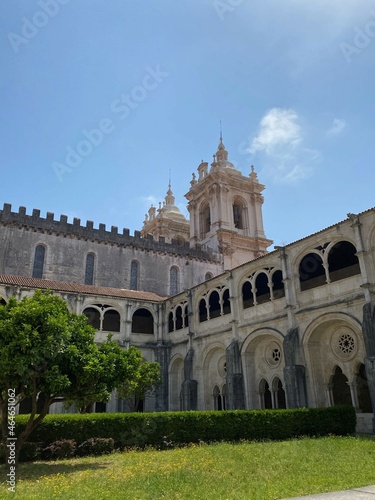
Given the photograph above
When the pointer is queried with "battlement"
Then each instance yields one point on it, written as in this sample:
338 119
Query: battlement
101 235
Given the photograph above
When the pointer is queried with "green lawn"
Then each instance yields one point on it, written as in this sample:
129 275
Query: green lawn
267 470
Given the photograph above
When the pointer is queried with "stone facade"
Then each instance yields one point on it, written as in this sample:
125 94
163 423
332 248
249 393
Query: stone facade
290 328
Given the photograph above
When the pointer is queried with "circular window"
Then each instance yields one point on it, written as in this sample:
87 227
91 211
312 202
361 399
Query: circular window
346 344
273 354
222 367
343 343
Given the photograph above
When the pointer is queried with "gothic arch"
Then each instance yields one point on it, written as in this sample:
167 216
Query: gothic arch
278 393
262 358
332 339
265 396
214 371
339 388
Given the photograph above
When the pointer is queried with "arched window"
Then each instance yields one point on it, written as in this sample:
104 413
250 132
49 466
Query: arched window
214 304
226 302
38 267
173 281
218 403
278 394
89 271
134 275
111 321
247 295
203 316
103 317
179 324
208 276
237 216
311 272
342 261
340 389
265 395
93 316
262 288
205 220
142 322
278 285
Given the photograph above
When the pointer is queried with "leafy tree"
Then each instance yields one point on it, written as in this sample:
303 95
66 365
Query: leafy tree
45 349
134 389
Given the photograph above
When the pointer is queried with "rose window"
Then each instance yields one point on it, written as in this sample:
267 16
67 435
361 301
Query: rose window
276 355
346 343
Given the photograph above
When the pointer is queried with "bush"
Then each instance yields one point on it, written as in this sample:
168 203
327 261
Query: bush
96 446
64 448
157 429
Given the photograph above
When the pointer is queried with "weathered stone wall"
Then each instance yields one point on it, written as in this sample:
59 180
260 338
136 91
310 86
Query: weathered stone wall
67 246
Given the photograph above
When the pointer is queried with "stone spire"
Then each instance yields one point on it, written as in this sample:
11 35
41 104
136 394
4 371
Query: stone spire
169 199
221 157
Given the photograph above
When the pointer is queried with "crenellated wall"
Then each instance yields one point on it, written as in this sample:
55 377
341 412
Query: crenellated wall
67 245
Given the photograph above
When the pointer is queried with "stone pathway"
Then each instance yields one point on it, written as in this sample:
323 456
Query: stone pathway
365 493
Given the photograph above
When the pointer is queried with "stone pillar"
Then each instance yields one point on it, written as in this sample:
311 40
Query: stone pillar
162 355
235 383
189 392
368 330
294 374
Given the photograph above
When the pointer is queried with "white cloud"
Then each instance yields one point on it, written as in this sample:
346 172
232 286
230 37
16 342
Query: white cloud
279 142
337 127
279 127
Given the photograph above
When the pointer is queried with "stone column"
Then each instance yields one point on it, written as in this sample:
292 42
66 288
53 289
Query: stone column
235 383
162 356
294 374
368 330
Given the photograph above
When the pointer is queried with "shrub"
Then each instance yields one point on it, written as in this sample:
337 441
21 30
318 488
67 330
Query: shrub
157 429
96 446
64 448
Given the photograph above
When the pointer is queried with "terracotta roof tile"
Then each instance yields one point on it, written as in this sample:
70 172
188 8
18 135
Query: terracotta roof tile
60 286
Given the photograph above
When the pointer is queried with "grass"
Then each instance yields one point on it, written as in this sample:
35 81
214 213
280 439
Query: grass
265 470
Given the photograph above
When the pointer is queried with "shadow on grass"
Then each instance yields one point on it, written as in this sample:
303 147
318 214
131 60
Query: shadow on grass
32 471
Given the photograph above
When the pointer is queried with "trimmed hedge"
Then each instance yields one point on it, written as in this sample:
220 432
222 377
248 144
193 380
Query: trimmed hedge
167 429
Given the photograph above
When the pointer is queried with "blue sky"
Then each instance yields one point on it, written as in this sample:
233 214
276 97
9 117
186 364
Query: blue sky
148 82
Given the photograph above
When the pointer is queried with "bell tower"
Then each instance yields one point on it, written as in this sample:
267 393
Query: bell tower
226 211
